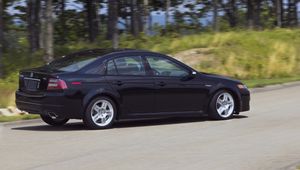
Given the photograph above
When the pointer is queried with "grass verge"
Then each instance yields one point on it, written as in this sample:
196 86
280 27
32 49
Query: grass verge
265 82
15 118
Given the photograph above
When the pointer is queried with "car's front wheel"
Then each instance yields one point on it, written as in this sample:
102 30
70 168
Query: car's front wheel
222 105
54 121
100 113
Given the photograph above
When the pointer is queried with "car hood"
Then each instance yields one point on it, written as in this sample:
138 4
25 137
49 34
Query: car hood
216 76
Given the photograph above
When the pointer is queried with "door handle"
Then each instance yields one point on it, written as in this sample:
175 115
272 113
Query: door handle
118 83
161 83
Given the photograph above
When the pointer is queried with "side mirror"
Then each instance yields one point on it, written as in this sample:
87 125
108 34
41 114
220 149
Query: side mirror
190 76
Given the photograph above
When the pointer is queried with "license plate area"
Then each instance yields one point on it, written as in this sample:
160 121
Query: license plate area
32 84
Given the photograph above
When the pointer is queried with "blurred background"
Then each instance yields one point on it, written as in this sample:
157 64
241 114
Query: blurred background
257 41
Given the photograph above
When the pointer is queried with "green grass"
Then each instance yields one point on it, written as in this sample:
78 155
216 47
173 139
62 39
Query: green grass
242 54
265 82
15 118
7 93
259 57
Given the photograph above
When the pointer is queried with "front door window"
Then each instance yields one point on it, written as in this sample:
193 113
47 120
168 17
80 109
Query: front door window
165 67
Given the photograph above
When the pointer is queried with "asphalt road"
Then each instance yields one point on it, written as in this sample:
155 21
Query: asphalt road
267 137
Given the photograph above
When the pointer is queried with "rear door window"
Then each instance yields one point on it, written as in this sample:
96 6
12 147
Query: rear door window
129 65
111 68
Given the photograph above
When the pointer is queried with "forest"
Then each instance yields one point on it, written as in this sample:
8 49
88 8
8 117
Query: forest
246 39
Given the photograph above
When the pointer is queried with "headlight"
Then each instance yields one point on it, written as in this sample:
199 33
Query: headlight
242 86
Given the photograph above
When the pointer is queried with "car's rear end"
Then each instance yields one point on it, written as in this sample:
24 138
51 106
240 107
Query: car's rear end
43 92
50 90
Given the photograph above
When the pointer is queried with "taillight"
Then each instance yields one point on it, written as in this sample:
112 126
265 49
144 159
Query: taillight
56 84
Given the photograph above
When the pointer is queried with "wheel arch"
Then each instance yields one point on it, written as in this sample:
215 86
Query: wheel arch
90 97
234 94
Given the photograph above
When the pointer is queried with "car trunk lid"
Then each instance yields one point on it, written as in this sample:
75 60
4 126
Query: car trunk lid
36 80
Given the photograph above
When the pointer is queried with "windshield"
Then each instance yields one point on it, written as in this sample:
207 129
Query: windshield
72 63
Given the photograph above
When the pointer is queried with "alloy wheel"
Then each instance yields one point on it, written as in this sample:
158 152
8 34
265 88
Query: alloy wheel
225 105
102 113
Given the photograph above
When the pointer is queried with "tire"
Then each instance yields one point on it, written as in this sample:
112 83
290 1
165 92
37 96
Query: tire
100 113
222 105
54 121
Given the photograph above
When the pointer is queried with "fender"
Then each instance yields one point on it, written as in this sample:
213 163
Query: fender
100 92
225 86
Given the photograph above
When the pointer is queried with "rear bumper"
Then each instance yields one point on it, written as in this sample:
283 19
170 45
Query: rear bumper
57 103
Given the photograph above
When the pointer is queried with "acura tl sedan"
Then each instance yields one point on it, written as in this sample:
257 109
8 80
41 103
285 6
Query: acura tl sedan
103 86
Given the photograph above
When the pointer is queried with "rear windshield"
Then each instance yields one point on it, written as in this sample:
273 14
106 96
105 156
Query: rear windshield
72 63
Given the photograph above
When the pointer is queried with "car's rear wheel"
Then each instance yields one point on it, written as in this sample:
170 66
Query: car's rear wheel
222 105
54 120
100 113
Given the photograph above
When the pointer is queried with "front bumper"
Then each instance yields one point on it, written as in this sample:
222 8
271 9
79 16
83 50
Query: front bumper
47 103
244 97
245 102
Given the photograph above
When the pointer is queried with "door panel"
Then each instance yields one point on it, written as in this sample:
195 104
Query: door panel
174 95
137 93
128 76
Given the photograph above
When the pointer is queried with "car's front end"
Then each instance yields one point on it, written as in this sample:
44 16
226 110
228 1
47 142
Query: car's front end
244 97
239 90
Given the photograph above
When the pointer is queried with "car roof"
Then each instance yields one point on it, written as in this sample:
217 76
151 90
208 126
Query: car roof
105 51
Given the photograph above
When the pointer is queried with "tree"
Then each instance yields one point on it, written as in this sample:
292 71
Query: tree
33 24
233 14
253 13
1 37
292 17
168 4
110 22
113 32
63 21
230 9
92 18
42 25
215 15
134 18
115 41
49 53
146 17
257 13
193 13
250 14
278 5
140 16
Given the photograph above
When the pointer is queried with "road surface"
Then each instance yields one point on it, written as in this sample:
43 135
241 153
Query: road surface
267 137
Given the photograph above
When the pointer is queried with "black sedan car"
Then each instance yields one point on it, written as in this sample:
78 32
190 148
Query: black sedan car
102 86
